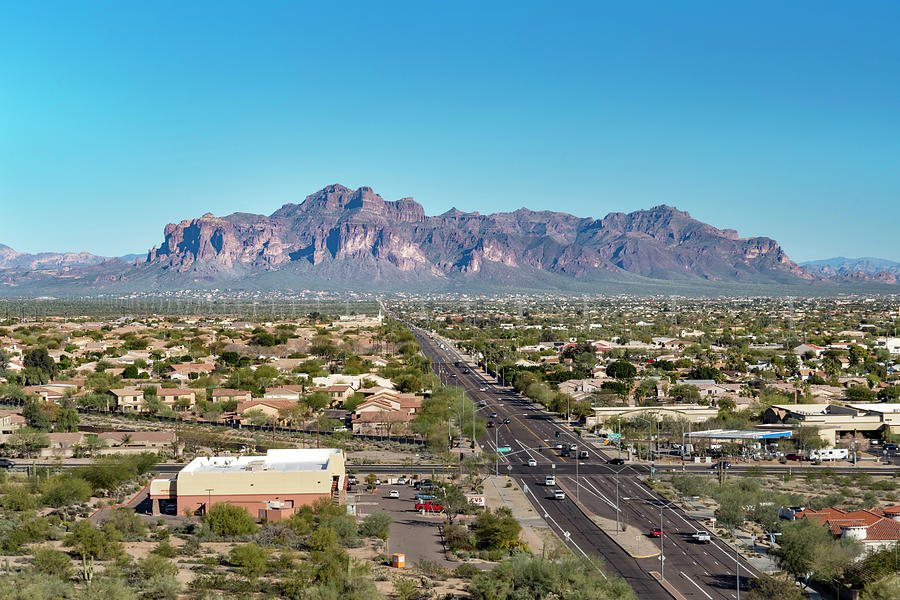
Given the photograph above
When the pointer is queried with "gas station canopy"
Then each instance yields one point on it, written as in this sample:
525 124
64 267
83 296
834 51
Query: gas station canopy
737 434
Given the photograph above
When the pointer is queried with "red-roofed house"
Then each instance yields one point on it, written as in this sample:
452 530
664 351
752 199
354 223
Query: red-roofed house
386 412
183 372
875 529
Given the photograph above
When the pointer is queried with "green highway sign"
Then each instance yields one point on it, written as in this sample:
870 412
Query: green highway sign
503 449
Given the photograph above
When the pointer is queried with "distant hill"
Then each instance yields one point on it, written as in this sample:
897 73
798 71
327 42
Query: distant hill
10 259
866 268
339 238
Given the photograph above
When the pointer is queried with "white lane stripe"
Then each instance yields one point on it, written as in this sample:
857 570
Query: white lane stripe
696 585
570 540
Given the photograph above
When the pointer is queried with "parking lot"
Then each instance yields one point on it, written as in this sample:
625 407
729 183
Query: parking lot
416 535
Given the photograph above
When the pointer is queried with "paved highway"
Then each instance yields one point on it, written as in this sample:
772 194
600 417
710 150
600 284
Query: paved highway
704 572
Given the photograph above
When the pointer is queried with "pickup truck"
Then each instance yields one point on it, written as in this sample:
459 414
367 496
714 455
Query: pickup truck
701 537
429 506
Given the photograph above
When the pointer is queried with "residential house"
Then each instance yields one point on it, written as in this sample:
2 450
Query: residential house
339 393
138 441
385 413
804 348
876 529
10 422
177 398
272 409
226 394
128 399
186 371
284 392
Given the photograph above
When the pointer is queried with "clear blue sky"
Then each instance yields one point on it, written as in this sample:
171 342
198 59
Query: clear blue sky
774 118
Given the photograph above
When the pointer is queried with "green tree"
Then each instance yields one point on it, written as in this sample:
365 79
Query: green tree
67 420
496 530
40 359
89 542
130 372
686 393
228 520
38 415
621 369
252 560
768 587
65 489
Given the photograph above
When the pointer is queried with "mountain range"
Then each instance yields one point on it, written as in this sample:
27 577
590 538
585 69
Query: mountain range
342 238
851 269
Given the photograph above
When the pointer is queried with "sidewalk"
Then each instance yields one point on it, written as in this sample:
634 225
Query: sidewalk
535 531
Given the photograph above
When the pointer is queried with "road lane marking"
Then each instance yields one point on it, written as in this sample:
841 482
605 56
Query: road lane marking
696 585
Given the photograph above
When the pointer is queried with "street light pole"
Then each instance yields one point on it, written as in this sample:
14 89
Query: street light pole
662 558
497 452
577 481
619 427
617 501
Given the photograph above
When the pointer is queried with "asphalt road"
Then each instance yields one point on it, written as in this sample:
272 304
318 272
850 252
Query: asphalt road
704 572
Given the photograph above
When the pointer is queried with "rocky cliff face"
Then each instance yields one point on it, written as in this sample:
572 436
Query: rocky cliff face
360 228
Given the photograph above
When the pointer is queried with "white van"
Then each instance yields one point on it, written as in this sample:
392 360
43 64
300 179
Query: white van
549 480
829 454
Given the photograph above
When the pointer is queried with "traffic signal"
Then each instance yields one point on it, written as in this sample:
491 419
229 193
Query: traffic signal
557 434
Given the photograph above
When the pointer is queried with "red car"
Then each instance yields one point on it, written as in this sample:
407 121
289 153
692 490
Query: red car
656 532
429 506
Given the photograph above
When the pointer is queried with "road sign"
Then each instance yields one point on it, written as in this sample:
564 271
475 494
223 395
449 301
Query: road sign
503 448
615 436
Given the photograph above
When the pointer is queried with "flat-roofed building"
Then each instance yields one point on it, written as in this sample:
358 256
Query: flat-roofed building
692 413
270 487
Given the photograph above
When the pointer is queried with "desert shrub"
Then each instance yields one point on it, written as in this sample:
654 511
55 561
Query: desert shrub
126 523
18 497
165 549
457 537
277 534
496 529
528 577
52 562
376 525
65 490
252 560
466 571
228 520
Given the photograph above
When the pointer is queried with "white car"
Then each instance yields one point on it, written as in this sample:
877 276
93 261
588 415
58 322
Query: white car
482 389
394 494
532 462
559 494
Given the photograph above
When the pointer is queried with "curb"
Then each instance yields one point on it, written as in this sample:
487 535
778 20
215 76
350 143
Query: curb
101 509
667 586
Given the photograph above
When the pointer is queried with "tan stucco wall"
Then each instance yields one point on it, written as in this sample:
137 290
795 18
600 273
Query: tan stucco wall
231 483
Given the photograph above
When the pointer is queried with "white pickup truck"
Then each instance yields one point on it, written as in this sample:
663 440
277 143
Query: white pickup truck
701 537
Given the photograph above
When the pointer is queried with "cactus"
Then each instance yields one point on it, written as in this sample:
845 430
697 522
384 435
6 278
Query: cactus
87 569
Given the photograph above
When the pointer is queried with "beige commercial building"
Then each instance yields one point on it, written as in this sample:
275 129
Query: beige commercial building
835 421
689 413
271 486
